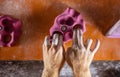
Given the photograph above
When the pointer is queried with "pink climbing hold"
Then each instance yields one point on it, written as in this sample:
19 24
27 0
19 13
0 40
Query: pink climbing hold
65 22
10 30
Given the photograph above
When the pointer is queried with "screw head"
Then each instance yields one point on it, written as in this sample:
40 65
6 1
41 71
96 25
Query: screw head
63 28
0 28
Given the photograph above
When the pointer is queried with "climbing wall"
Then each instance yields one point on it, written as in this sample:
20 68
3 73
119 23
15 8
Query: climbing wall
37 17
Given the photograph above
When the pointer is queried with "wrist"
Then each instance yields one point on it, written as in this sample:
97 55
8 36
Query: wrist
50 73
78 68
82 72
51 70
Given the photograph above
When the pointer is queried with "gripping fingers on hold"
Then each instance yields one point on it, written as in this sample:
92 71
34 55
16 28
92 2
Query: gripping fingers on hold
55 40
60 42
89 43
96 46
80 37
75 38
47 41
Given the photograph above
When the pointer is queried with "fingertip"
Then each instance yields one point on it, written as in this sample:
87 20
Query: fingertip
80 37
74 32
98 42
55 39
80 31
89 43
47 40
90 40
97 46
74 40
61 39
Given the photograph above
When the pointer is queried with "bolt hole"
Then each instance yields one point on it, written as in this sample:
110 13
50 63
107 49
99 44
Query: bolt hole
8 27
69 21
81 20
0 28
62 21
6 38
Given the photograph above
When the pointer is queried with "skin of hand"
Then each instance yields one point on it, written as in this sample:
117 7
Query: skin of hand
53 56
79 56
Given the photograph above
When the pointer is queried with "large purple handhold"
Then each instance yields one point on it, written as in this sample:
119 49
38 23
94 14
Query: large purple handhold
65 22
10 30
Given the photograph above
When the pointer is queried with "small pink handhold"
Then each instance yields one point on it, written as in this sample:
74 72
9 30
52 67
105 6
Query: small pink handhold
10 30
65 22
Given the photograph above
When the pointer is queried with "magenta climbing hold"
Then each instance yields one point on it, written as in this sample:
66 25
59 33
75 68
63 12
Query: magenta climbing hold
65 22
10 30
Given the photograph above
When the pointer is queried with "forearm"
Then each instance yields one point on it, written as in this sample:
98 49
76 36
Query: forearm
48 73
82 73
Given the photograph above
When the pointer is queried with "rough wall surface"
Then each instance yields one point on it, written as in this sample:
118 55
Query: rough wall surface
34 69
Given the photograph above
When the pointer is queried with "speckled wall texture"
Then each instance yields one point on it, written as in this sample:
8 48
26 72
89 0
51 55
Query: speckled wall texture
34 69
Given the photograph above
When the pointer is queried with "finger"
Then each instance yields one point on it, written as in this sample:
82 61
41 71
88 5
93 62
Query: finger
60 42
96 46
55 40
74 44
80 38
46 45
60 52
47 42
89 43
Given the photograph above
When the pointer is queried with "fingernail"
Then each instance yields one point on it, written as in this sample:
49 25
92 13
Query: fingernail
80 31
55 39
47 40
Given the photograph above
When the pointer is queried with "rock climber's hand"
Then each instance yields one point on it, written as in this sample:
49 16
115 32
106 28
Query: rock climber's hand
79 56
53 55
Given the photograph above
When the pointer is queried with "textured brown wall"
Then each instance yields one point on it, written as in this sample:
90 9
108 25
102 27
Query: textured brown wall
38 16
